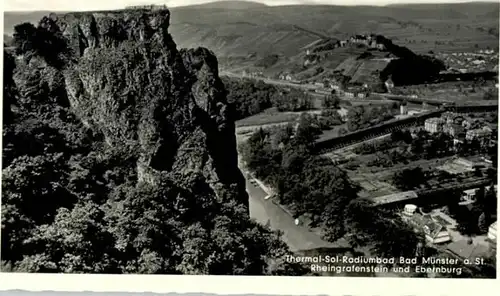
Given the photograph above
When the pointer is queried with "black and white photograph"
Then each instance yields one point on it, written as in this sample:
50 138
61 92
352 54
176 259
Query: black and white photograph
250 138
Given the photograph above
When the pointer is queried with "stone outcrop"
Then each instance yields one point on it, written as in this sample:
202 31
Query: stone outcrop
128 81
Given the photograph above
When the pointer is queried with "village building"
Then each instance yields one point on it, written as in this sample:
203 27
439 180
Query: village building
492 232
350 94
356 92
403 109
480 134
149 7
335 86
454 130
359 39
470 196
389 84
363 94
434 232
434 125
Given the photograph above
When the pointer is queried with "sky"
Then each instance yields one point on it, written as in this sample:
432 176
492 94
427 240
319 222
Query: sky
76 5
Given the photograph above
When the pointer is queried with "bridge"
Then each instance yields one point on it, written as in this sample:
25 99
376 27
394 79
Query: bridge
471 107
457 185
453 106
330 144
432 195
410 99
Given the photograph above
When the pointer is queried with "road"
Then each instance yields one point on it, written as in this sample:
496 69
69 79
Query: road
264 211
319 95
350 147
272 81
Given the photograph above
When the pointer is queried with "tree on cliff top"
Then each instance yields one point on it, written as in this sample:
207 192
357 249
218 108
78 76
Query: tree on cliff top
45 40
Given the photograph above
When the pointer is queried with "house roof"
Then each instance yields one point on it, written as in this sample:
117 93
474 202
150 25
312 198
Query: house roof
467 251
470 191
432 228
360 37
480 131
435 120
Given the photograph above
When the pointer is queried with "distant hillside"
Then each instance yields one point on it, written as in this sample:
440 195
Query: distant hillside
473 7
229 5
247 32
288 29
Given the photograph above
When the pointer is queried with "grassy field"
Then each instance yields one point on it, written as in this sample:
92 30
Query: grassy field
267 118
334 132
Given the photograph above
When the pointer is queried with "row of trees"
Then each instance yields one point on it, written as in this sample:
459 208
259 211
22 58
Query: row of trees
409 179
292 100
329 118
377 146
403 147
312 185
249 97
331 102
362 116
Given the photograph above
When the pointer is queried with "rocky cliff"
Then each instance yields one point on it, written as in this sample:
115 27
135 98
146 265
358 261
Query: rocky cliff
126 80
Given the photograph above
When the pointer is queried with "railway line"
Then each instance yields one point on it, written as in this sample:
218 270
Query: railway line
458 107
471 108
334 143
437 194
455 186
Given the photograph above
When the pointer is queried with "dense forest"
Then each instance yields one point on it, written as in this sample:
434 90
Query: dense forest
71 203
249 97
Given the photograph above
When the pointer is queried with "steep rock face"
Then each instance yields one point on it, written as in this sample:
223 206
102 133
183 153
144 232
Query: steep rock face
209 93
168 108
